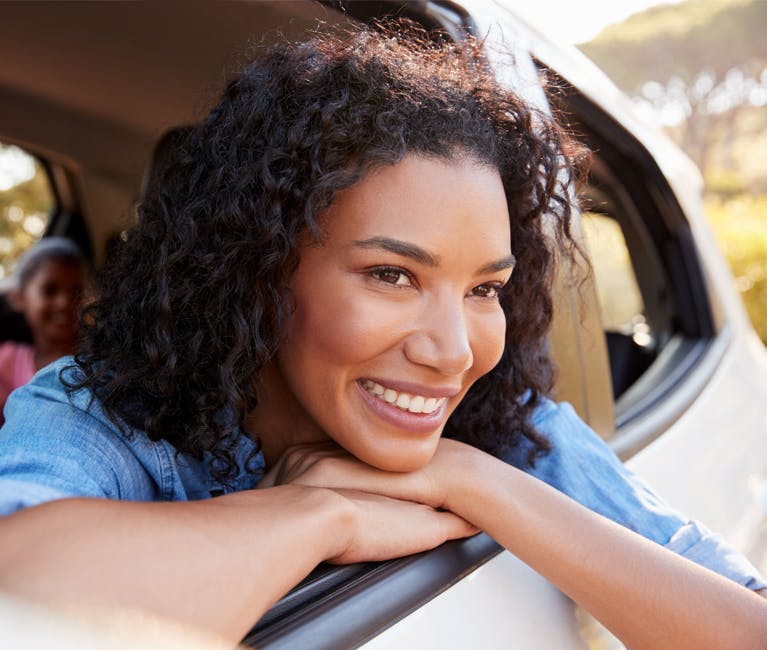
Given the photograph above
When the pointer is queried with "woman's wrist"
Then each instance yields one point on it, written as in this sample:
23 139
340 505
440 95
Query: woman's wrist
322 517
466 474
332 518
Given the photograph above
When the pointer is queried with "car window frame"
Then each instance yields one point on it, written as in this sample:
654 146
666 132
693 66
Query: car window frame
688 361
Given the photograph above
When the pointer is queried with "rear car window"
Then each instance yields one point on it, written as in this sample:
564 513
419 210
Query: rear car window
26 202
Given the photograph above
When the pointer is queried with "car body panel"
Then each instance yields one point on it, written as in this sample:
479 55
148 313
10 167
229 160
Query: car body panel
503 604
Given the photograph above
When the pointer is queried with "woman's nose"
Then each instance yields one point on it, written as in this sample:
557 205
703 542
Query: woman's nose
441 339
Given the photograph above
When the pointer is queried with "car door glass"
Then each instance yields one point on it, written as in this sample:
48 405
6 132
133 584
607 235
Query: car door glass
26 202
631 342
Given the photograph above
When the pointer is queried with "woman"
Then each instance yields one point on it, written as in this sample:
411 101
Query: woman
347 261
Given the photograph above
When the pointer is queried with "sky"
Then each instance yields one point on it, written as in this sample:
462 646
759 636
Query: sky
578 21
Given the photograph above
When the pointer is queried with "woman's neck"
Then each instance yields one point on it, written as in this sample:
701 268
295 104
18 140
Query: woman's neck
278 422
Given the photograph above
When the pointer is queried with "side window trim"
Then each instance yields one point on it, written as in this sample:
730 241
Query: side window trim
686 367
351 610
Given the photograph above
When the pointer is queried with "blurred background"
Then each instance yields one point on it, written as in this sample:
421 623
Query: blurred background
697 69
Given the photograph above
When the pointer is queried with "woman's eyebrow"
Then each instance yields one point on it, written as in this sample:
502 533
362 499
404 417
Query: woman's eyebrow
406 249
499 265
399 247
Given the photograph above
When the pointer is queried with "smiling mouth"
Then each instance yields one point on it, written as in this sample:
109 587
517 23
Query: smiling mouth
403 401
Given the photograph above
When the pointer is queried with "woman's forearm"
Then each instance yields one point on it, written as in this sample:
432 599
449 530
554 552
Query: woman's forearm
648 596
215 564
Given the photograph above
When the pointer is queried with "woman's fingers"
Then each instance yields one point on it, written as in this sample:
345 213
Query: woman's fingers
346 472
386 528
328 465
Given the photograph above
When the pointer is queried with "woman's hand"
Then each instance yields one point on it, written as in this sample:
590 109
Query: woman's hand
327 465
623 579
382 528
390 514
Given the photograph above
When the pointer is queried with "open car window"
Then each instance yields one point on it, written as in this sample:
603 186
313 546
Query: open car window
27 201
655 307
657 327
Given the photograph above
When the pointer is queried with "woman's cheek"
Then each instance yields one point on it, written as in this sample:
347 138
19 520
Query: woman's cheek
355 329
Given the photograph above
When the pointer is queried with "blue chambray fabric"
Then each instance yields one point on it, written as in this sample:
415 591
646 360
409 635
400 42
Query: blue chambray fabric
584 467
54 446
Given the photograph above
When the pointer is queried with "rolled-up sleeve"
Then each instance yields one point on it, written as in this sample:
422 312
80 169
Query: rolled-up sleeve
695 542
584 467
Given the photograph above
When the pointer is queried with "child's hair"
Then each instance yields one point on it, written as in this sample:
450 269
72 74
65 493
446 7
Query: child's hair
198 300
45 250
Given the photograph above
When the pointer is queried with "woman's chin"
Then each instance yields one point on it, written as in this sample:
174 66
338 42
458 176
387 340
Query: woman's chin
400 460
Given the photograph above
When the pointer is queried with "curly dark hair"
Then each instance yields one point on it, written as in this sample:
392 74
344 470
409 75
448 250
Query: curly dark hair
197 300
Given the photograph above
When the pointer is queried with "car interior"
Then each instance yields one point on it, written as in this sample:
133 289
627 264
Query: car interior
88 89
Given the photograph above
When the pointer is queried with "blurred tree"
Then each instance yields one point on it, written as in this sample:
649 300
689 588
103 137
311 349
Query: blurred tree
696 65
700 68
682 40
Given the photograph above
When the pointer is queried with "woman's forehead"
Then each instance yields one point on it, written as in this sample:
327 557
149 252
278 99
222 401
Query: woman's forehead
425 201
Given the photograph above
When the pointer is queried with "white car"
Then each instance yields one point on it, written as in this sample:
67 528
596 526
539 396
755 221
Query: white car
654 350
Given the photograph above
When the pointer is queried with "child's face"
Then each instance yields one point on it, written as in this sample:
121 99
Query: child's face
50 300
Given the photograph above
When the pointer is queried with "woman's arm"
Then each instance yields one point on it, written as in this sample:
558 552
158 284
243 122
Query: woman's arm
648 596
216 564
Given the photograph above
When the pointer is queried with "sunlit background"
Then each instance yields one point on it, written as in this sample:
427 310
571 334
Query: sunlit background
697 69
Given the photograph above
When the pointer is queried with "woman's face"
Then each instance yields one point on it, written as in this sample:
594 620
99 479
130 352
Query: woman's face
396 312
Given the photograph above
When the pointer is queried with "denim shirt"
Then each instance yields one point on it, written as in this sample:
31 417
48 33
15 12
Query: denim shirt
55 446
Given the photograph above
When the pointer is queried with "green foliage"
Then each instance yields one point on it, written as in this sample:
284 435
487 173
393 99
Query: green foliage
740 226
679 46
700 66
682 40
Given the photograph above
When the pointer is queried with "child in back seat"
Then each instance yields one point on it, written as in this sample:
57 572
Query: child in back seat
47 291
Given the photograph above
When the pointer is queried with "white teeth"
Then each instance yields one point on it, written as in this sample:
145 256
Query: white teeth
416 404
404 401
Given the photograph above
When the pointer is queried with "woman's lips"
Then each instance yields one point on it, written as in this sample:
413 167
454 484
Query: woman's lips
384 402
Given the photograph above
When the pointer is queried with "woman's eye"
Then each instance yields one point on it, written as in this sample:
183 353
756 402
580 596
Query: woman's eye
488 291
394 276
